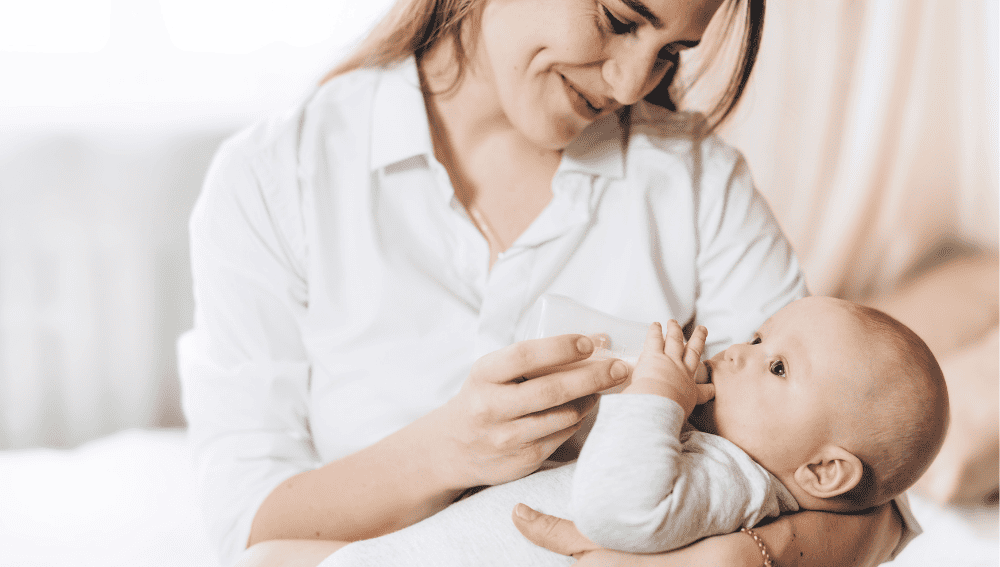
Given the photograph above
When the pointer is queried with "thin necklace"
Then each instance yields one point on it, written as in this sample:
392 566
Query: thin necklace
484 226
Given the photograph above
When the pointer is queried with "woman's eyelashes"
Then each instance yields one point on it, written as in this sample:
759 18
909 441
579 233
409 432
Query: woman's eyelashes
619 27
756 340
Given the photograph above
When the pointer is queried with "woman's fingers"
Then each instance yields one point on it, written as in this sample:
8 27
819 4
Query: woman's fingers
531 358
554 534
554 420
555 389
519 404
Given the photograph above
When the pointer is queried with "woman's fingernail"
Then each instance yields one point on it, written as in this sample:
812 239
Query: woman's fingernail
584 345
619 370
525 512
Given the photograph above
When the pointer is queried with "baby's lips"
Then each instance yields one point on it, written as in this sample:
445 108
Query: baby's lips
701 374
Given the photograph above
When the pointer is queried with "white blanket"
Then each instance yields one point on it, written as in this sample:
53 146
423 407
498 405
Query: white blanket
128 500
122 500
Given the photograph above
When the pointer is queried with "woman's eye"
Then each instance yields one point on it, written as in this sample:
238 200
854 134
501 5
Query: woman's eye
755 341
778 368
618 26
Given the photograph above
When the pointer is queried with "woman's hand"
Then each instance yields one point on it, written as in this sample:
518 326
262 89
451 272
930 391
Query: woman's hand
519 405
562 537
817 539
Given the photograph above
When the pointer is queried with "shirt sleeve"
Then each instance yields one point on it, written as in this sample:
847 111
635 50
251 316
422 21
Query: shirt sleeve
747 270
243 366
638 489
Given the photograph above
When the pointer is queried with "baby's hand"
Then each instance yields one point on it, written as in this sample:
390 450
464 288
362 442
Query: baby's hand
667 367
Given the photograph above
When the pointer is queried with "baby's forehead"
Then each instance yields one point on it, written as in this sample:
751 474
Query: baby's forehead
830 333
819 315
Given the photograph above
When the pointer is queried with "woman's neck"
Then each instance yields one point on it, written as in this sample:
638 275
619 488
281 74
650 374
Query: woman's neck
466 113
477 144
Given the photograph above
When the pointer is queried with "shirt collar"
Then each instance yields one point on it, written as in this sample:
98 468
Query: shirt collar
598 150
400 129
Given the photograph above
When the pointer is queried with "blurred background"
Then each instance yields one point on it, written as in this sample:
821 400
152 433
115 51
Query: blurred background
110 112
871 126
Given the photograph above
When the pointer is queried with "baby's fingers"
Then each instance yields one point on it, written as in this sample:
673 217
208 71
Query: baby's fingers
675 341
705 393
654 339
695 347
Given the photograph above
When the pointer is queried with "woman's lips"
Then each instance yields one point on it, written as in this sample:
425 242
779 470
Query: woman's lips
580 103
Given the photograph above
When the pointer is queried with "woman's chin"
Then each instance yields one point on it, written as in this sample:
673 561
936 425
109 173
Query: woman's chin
556 134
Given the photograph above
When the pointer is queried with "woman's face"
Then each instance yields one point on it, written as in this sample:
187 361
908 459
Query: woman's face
555 66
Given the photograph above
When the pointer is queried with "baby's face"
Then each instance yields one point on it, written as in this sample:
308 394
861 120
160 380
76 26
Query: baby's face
781 396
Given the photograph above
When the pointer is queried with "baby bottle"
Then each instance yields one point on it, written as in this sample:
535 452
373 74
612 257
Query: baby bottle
613 337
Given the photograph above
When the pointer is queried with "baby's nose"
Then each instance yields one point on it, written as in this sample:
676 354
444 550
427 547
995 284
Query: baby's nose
736 354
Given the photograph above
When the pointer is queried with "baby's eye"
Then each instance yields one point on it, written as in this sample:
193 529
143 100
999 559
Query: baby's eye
755 341
778 368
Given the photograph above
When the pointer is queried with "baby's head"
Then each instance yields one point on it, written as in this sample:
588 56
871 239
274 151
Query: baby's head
844 404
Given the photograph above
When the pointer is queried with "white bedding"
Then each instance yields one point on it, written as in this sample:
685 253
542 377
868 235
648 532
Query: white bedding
128 500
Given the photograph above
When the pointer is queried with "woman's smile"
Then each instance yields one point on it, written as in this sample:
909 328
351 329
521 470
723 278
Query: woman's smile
586 107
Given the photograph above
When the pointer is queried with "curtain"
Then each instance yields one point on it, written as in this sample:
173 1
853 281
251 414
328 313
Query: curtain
871 128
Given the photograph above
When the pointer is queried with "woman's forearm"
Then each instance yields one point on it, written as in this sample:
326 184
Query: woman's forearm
821 539
380 489
498 428
806 539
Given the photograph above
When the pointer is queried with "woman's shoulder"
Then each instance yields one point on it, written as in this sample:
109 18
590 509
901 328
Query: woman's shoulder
273 150
684 133
664 143
282 132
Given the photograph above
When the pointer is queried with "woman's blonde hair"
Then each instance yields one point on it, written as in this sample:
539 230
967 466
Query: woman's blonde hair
414 26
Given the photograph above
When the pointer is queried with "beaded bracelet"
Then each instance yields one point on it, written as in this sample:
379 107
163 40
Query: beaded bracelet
760 544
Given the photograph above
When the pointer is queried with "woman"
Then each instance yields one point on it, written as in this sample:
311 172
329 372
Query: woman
354 258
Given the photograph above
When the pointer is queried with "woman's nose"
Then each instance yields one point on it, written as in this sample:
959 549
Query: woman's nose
629 73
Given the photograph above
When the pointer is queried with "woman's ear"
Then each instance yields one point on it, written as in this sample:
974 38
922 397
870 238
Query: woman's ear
832 472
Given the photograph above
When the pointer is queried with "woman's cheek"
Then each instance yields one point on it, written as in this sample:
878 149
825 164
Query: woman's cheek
584 43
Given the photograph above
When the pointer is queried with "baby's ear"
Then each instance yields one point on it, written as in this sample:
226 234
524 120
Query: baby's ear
832 472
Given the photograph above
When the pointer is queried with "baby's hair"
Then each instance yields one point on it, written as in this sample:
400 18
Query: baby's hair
906 426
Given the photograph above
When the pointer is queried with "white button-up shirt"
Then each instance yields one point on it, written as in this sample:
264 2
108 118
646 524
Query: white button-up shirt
342 290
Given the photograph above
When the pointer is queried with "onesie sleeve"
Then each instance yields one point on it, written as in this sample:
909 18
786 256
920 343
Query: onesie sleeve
243 366
638 488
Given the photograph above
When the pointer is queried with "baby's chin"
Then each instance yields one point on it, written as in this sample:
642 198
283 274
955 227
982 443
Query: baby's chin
703 417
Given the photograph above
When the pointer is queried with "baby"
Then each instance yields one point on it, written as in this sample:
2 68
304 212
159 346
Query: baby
831 406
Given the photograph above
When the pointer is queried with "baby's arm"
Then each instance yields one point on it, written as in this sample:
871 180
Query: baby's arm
637 488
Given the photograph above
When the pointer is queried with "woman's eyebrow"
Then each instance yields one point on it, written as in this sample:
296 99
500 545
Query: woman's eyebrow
641 9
